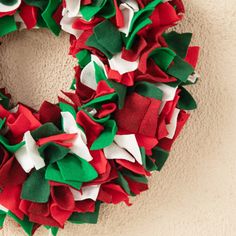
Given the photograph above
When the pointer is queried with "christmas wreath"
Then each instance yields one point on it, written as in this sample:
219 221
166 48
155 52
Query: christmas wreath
127 105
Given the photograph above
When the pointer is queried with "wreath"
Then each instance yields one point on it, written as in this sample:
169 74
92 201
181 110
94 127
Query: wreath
126 106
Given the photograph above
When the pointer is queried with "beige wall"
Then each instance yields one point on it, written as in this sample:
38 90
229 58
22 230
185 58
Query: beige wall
195 194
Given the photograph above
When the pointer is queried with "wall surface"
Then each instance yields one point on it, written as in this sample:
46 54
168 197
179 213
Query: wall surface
195 193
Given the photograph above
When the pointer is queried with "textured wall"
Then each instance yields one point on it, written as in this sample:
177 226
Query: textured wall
195 194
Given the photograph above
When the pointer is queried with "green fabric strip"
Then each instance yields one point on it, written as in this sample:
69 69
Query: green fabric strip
46 130
7 25
148 164
180 69
67 108
121 91
132 36
3 215
8 2
48 16
89 11
139 21
99 72
101 39
74 168
92 42
106 137
52 152
160 156
53 173
84 57
10 148
97 102
2 122
89 217
148 90
178 42
73 85
36 188
123 183
163 57
135 177
4 100
186 101
108 10
143 13
40 21
41 4
54 230
103 33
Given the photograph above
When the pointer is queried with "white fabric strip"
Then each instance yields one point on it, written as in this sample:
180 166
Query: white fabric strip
93 112
129 143
171 128
28 155
5 8
168 94
66 25
2 208
73 7
14 109
80 141
87 76
122 66
132 3
168 91
50 232
88 192
128 13
115 152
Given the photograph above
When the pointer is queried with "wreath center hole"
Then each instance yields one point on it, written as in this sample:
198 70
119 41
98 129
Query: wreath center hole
35 66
